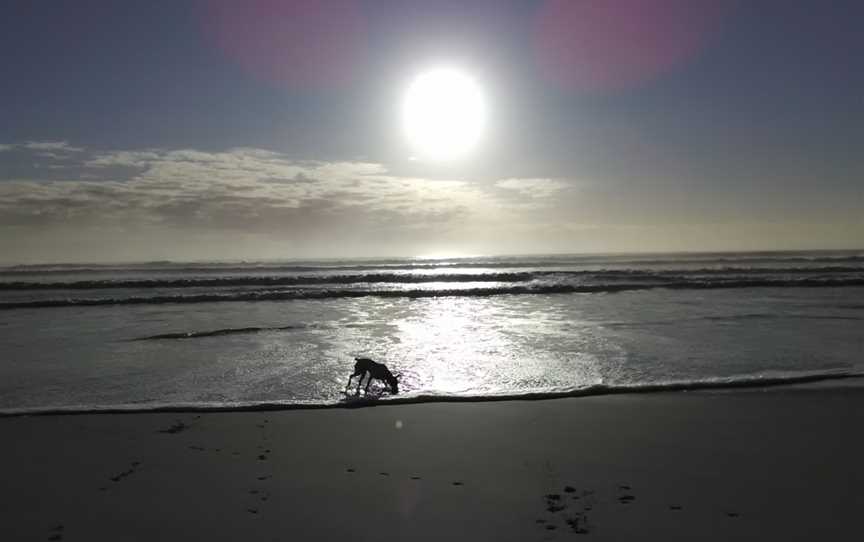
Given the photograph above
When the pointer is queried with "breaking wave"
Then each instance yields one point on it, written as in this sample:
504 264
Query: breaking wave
529 289
412 278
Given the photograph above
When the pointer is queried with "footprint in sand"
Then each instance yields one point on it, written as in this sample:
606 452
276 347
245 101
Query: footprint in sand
264 477
732 514
384 473
458 484
576 521
578 524
416 478
553 502
262 457
125 473
56 533
350 470
674 507
625 498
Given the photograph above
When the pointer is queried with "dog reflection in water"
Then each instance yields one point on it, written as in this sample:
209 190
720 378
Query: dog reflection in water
376 371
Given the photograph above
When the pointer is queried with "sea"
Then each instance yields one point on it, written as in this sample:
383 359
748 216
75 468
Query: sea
284 334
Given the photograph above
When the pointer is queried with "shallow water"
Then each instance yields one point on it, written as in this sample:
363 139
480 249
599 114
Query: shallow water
301 350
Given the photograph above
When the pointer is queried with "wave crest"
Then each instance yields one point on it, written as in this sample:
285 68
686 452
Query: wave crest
666 275
547 289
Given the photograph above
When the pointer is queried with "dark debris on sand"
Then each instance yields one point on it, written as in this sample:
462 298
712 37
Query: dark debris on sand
175 428
127 472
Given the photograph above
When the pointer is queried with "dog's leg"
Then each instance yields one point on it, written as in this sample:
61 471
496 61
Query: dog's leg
368 382
360 383
348 385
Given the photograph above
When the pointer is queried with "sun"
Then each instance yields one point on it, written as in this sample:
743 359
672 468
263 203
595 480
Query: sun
443 114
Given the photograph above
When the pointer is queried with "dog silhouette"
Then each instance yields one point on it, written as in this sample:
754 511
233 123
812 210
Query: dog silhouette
376 371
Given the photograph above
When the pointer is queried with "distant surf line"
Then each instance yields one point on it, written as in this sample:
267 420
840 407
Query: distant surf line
804 257
667 275
320 294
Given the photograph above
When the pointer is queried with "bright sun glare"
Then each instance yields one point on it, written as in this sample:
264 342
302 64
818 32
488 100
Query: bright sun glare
443 114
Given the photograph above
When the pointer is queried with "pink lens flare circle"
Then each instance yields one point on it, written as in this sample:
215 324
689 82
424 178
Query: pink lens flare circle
295 43
601 45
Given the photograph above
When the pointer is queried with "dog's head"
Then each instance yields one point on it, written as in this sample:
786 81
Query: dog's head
393 382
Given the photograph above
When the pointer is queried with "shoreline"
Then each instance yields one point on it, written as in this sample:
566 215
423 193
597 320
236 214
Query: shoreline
772 464
844 379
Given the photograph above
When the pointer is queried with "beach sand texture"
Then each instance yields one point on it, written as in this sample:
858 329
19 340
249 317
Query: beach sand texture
779 464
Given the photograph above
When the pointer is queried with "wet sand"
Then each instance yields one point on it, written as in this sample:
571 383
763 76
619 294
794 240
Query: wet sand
778 464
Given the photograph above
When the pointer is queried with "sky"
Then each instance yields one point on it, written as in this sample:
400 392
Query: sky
267 129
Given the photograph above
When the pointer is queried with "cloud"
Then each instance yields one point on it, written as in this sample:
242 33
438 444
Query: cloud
533 188
58 146
251 203
136 204
58 150
242 190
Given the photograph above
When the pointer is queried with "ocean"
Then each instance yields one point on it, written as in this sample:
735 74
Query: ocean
165 335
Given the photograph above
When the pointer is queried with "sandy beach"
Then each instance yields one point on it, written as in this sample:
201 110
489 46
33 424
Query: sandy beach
778 464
